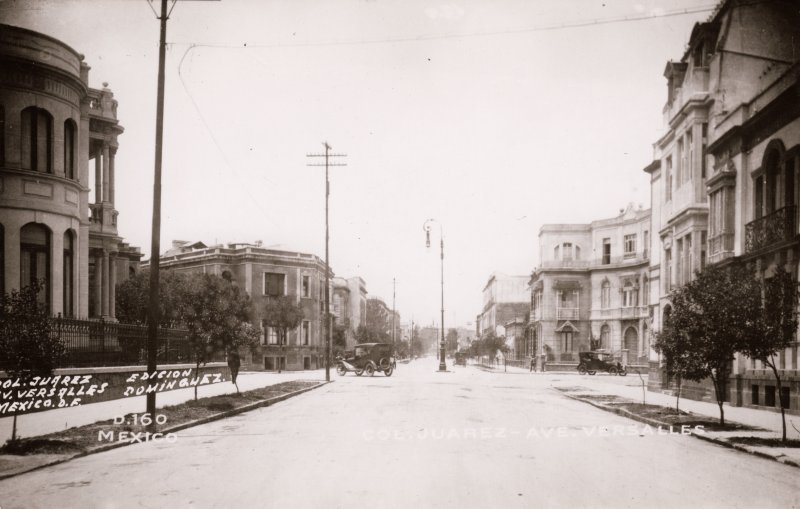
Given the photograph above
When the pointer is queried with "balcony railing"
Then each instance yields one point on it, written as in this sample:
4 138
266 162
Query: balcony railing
567 313
774 228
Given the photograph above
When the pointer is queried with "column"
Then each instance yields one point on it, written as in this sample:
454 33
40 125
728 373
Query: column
105 172
112 287
98 284
98 176
104 284
111 177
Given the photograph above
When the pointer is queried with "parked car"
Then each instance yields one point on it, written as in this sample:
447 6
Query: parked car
594 361
367 358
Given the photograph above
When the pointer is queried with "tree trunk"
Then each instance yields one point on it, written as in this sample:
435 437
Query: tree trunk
678 396
720 399
771 364
14 427
196 374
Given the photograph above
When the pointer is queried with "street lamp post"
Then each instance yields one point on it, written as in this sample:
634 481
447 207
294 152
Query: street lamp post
427 228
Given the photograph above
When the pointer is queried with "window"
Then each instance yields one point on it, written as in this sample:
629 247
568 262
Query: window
754 394
703 150
679 262
305 333
758 198
35 258
605 295
646 296
681 168
269 335
646 243
689 168
630 245
668 179
703 243
306 287
630 295
667 269
69 149
274 284
566 341
769 395
605 337
68 273
785 397
37 140
567 251
606 251
556 253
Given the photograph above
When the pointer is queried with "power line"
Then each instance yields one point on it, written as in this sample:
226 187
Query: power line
435 37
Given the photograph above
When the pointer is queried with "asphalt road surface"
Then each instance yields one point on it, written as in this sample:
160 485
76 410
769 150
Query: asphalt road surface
418 439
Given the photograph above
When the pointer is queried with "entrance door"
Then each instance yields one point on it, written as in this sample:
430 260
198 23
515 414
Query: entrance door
631 343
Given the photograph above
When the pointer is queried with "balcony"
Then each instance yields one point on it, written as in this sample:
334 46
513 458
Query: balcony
565 264
772 229
567 313
720 247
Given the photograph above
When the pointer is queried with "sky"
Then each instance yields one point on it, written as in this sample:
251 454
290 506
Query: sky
492 117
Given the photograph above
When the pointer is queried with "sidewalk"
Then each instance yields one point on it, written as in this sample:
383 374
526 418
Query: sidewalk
41 423
769 422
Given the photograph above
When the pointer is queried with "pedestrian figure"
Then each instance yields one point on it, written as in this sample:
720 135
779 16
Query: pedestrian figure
533 363
234 362
544 362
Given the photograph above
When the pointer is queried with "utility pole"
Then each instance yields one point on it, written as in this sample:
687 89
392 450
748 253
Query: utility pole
327 319
153 316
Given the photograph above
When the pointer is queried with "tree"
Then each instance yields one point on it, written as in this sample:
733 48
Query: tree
778 325
378 322
282 313
716 314
339 337
451 341
133 297
681 361
217 315
28 345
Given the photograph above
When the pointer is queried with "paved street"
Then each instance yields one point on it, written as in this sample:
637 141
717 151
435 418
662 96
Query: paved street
418 439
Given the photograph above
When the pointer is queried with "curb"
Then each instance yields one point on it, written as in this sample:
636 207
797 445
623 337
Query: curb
715 440
178 427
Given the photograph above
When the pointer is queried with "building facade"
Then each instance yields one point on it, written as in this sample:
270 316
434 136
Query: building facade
735 96
266 273
58 221
349 306
591 289
505 298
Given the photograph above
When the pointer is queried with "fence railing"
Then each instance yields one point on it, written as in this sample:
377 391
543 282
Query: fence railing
101 343
97 343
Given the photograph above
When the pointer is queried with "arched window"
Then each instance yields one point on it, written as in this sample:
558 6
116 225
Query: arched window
69 273
131 271
629 295
70 134
37 140
34 248
556 253
605 294
605 337
646 290
567 251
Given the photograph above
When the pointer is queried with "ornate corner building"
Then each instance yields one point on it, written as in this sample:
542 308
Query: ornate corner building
591 290
53 127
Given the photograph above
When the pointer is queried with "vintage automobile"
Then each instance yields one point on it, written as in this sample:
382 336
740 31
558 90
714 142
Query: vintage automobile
592 362
461 358
367 358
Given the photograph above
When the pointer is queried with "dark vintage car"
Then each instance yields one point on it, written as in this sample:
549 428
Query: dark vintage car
461 358
592 362
367 358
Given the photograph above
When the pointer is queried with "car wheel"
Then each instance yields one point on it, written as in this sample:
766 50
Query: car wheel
592 372
369 369
581 369
612 370
340 370
388 371
622 372
359 372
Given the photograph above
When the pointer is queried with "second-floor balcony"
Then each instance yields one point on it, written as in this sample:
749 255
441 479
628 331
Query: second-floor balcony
567 313
772 229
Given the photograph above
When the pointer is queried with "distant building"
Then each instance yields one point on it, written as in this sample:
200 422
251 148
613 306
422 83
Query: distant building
264 273
590 290
504 298
349 305
57 224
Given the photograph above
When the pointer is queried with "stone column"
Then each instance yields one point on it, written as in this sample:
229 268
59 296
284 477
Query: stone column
104 284
98 177
105 172
112 287
111 177
98 284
